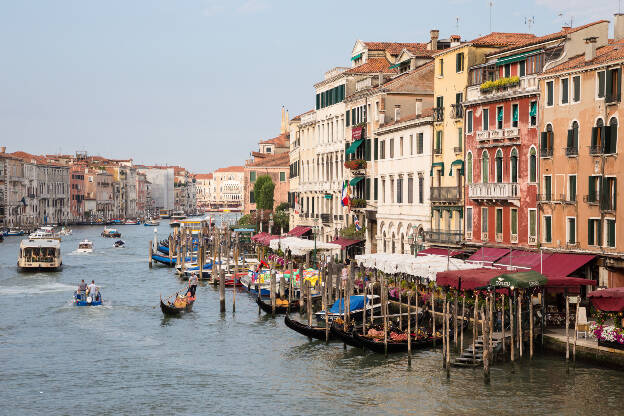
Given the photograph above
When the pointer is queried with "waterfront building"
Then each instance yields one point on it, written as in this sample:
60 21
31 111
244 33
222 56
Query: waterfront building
502 114
77 191
161 179
579 148
229 185
206 191
447 168
274 165
143 200
13 192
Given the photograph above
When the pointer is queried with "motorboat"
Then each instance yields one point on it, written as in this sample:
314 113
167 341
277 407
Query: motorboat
111 233
178 215
151 223
44 233
85 246
132 222
14 232
87 299
40 254
119 244
65 231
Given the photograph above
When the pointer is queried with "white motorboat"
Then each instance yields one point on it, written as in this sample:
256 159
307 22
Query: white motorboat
85 246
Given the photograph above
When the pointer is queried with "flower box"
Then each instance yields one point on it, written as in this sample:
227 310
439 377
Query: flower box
356 164
611 344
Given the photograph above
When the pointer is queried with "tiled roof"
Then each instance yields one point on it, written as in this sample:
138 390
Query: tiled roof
609 53
298 117
275 160
373 66
27 157
203 176
281 140
395 48
547 38
418 80
231 169
502 39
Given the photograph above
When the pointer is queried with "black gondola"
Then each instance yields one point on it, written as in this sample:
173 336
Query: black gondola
394 346
169 309
345 336
294 305
316 332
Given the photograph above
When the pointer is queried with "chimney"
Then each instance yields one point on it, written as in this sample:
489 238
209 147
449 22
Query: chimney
455 40
397 112
565 28
590 48
435 34
418 108
3 149
618 27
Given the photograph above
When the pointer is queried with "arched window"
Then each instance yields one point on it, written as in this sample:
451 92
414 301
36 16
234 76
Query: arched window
485 166
533 165
499 166
469 167
572 145
514 165
610 146
598 138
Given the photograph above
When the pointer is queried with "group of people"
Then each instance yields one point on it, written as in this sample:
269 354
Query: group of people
89 289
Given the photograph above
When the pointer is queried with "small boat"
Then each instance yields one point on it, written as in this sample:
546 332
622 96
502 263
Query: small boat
377 344
281 306
316 332
85 246
151 223
65 231
132 222
111 233
14 233
82 299
180 305
347 337
178 215
119 244
40 254
356 303
44 233
230 281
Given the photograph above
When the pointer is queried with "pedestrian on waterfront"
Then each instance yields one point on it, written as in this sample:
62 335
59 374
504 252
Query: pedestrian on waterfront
192 284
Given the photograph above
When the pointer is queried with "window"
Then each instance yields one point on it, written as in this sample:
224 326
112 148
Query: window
547 229
486 118
460 140
383 190
484 220
600 84
420 143
522 68
485 166
382 149
499 117
282 176
532 225
550 101
367 189
469 121
613 85
507 70
469 167
565 91
576 89
252 176
572 188
438 146
347 118
391 148
410 190
399 190
547 138
593 232
597 138
411 144
514 222
572 145
318 101
593 188
571 230
400 146
499 221
252 199
514 165
469 219
547 187
610 142
421 188
608 194
499 166
533 113
375 190
441 67
459 62
610 232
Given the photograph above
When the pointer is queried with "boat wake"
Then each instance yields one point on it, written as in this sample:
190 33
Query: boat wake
51 287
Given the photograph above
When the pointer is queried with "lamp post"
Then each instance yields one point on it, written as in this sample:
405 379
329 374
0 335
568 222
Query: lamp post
270 222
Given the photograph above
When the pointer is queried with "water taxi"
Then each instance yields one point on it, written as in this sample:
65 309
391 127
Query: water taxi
178 215
85 246
40 254
45 233
165 214
111 233
119 244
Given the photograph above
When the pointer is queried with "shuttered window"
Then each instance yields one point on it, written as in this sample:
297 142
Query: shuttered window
368 189
514 221
571 230
547 229
375 189
410 190
499 220
610 226
420 143
252 198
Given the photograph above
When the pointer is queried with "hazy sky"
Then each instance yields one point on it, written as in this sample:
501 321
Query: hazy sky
199 82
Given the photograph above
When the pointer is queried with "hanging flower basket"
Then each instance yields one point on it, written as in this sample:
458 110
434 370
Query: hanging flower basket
356 164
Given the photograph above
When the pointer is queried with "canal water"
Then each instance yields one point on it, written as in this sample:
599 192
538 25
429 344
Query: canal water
125 358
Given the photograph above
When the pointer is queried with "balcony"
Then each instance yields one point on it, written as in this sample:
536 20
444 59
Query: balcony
449 237
457 111
437 151
483 135
591 198
357 164
548 152
445 194
438 114
527 83
458 149
493 191
358 203
496 134
326 218
571 151
595 150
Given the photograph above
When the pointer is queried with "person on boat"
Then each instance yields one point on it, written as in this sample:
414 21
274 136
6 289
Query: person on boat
192 284
82 287
92 289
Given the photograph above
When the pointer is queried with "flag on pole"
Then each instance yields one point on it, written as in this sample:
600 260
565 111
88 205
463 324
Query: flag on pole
345 194
356 222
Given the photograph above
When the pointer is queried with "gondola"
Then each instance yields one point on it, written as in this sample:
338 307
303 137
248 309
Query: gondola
170 309
345 336
316 332
294 305
393 346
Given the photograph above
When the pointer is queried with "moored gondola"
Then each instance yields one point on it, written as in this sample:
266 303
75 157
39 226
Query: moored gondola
280 307
337 330
377 344
316 332
177 307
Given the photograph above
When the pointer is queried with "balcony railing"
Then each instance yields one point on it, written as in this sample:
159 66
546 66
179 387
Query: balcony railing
438 114
607 204
458 149
548 152
437 151
493 191
514 238
545 197
326 218
591 198
571 151
450 237
595 150
445 193
457 111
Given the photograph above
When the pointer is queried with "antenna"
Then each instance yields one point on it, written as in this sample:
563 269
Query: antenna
529 21
457 25
491 5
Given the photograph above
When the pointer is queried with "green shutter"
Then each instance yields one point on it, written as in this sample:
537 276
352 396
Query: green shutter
548 187
594 137
533 111
367 149
318 101
570 138
347 114
606 139
619 84
609 87
611 233
499 221
547 226
282 176
375 184
252 176
601 84
252 198
612 139
590 232
514 221
543 140
376 150
591 197
367 189
572 188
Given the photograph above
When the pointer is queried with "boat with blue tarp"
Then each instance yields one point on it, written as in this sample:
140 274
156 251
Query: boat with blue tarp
84 299
356 304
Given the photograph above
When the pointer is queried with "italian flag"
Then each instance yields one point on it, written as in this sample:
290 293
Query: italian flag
345 194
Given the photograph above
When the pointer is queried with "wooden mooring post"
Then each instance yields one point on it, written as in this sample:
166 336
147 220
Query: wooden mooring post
151 252
272 286
409 328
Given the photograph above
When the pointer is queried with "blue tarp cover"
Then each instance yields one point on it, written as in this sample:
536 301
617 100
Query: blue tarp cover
357 302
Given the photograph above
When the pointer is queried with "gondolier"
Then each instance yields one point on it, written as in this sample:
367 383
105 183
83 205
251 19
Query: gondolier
192 284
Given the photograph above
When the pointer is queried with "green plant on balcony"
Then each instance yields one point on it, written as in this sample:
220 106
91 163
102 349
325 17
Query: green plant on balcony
499 84
352 233
355 164
358 203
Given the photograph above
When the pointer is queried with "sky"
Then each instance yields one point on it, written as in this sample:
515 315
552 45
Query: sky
198 83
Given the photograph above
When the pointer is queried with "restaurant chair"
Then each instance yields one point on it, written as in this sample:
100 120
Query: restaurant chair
582 325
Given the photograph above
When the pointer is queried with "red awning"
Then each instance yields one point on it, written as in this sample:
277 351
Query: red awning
522 258
610 300
488 254
439 252
298 231
258 236
266 239
562 264
561 281
467 279
345 242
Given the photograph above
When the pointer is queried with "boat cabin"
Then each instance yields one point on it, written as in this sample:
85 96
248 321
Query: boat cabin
40 254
